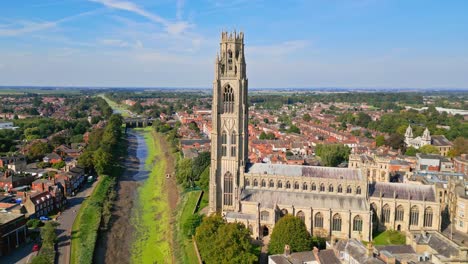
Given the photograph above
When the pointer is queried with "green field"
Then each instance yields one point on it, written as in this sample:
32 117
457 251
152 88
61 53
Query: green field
390 237
152 217
118 108
87 221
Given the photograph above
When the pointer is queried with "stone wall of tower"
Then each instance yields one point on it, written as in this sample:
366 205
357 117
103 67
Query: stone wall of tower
229 124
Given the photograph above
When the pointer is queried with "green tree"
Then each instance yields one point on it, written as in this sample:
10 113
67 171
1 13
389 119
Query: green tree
460 146
306 117
38 150
221 242
294 129
59 165
395 141
184 173
102 161
379 140
192 125
411 151
289 230
199 164
332 154
429 149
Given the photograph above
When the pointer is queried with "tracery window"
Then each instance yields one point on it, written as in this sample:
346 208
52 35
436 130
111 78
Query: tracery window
255 183
233 143
386 214
399 213
288 185
224 144
228 187
247 182
318 220
340 189
330 188
357 223
414 215
428 217
349 189
336 222
280 184
263 183
228 99
304 186
358 190
322 187
271 184
296 185
313 187
301 216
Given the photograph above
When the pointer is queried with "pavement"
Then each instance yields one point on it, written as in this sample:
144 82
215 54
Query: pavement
66 220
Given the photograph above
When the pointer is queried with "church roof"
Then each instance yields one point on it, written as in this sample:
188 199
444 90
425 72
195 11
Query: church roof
440 140
304 171
269 198
402 191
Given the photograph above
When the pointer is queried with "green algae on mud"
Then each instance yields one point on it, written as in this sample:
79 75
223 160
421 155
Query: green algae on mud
151 218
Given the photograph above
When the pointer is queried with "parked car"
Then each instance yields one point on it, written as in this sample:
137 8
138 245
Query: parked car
44 218
36 248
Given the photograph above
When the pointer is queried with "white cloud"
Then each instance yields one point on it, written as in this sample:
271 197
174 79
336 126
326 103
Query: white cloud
174 28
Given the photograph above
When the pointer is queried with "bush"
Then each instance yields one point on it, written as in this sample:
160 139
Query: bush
34 223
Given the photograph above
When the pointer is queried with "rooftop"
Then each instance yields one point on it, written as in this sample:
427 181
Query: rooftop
304 171
7 217
402 191
269 198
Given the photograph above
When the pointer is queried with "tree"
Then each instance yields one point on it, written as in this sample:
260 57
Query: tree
363 119
395 141
221 242
268 135
39 150
184 173
102 161
59 165
294 129
306 117
193 126
411 151
460 146
201 162
289 230
332 154
429 149
379 140
204 180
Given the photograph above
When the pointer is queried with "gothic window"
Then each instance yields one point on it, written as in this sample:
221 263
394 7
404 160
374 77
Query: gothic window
304 186
296 185
228 187
279 185
263 183
271 184
247 182
414 216
224 144
313 187
358 190
348 189
330 188
301 216
357 223
228 99
288 185
233 143
255 183
373 208
400 212
386 214
340 189
428 217
264 216
322 187
318 220
336 222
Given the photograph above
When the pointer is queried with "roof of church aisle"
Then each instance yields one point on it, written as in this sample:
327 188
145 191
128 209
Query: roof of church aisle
305 171
269 198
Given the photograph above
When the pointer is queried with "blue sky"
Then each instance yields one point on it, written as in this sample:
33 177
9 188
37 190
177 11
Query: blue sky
294 43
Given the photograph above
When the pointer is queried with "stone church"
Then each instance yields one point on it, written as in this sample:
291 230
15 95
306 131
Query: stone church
333 202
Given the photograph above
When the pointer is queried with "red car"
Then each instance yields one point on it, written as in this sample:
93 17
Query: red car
35 248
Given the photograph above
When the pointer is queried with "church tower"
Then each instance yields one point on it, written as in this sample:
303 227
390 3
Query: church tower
229 133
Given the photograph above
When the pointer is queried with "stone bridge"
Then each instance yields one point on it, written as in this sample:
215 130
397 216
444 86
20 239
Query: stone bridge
131 122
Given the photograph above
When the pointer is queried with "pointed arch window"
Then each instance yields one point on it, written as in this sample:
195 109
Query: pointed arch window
233 143
340 189
296 185
318 220
280 184
330 188
301 216
313 187
271 184
224 144
247 182
358 190
336 222
349 189
414 216
357 223
228 189
228 99
386 214
304 186
288 185
230 59
255 183
322 187
263 183
428 217
399 213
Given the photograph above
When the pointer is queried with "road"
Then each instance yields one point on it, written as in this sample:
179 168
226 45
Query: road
66 220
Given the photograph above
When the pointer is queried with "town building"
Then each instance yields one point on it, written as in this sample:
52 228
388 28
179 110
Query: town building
12 231
438 141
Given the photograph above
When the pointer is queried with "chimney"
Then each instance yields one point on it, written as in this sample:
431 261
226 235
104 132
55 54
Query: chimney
287 250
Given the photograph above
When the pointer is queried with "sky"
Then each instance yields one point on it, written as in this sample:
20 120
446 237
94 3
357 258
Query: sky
294 43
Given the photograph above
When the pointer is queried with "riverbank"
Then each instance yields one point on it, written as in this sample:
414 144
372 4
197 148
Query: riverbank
157 200
114 244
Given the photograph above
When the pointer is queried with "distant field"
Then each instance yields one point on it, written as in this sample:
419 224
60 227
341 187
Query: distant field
118 108
19 91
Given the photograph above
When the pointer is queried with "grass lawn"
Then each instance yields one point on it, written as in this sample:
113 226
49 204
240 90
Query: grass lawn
152 243
86 225
187 253
390 237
